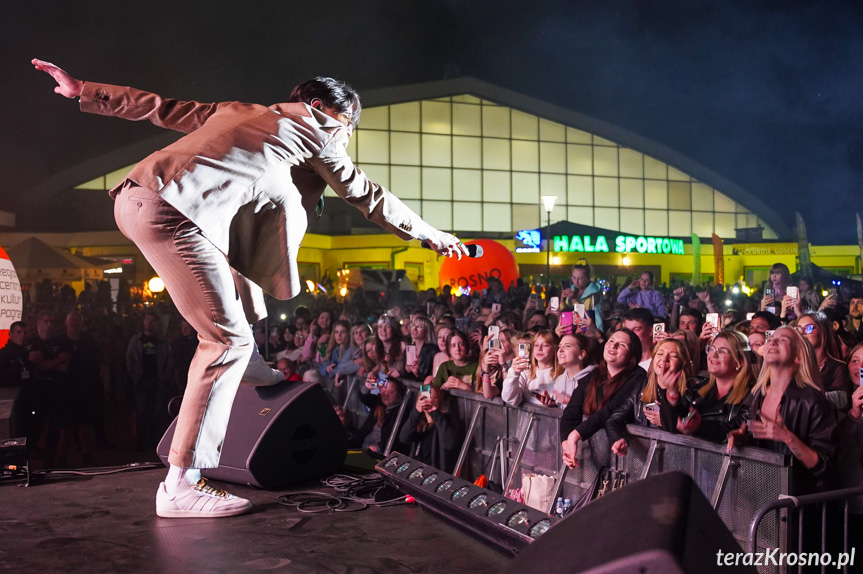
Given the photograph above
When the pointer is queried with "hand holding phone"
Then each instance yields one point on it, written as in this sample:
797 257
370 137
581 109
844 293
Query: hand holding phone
494 332
554 303
411 354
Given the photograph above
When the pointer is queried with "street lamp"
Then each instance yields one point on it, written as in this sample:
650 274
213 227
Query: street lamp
548 203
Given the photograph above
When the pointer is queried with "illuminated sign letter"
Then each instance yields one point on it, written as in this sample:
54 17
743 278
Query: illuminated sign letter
666 246
620 244
601 244
587 246
651 245
640 244
576 244
561 243
630 242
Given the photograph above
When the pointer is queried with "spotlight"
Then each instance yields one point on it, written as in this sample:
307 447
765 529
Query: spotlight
156 285
735 289
625 260
343 291
283 317
505 524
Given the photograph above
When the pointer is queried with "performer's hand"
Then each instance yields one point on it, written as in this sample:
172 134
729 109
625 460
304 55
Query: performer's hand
67 85
447 245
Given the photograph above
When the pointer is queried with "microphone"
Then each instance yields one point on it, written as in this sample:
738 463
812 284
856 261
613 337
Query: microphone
473 250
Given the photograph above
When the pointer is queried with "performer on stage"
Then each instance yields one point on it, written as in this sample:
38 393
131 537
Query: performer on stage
220 215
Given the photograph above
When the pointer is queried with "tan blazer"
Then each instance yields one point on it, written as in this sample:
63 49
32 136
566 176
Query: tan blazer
249 176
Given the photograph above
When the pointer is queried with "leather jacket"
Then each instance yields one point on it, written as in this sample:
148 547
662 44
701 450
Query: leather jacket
571 419
631 410
718 417
807 413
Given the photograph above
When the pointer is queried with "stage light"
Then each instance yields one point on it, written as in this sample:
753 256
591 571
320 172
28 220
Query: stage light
283 317
343 291
494 519
735 289
625 260
156 285
310 285
729 302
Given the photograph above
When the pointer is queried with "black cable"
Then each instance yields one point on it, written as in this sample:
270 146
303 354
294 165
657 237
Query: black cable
96 471
353 493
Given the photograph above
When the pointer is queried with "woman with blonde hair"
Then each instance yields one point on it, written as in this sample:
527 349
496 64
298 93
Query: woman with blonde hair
720 406
789 412
531 377
670 370
818 330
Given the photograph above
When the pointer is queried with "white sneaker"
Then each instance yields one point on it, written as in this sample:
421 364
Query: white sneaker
259 374
199 501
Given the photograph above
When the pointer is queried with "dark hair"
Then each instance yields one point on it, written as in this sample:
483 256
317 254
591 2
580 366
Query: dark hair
333 93
601 383
808 279
772 320
639 314
699 316
21 324
649 274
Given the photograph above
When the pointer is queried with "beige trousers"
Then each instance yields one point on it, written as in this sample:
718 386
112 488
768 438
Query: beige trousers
209 294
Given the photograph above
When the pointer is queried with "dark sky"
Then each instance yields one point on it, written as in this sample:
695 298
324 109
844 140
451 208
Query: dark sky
766 94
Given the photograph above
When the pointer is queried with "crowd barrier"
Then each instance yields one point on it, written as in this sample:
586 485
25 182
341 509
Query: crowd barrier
505 442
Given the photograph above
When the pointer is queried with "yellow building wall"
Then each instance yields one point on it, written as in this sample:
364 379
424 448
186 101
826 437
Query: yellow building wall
334 253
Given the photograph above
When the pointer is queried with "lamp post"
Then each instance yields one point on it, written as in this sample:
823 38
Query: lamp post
548 203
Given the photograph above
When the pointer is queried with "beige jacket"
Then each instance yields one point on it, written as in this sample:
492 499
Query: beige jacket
249 176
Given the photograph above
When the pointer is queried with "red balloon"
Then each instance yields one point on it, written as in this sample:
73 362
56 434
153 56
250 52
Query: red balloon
496 261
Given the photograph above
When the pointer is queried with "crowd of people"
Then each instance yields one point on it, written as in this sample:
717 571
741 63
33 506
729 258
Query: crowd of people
779 368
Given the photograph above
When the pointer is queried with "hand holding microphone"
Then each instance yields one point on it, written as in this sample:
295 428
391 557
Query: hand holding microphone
448 245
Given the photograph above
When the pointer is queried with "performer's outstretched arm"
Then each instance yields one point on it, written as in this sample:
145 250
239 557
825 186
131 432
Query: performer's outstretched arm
129 103
66 84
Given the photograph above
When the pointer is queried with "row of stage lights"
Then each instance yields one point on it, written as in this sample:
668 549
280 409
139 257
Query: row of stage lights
469 507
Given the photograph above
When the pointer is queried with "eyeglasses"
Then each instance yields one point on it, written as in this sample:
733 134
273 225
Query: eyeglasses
807 330
721 351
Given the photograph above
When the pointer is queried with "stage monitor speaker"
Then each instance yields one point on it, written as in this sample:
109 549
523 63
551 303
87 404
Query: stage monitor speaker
660 525
276 436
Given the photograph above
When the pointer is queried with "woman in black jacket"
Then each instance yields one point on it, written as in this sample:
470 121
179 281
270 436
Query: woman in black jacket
719 406
618 374
670 369
789 412
432 431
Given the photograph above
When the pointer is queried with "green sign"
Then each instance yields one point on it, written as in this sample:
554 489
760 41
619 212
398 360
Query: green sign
622 244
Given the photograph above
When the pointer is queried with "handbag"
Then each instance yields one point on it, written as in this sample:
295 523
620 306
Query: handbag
537 491
606 480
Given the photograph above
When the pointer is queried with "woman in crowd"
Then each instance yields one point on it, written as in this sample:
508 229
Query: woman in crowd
442 333
640 293
756 341
390 348
618 374
339 362
655 404
789 412
531 377
575 355
720 405
368 361
460 371
778 283
422 332
275 341
817 329
290 350
851 435
325 328
494 364
433 431
581 289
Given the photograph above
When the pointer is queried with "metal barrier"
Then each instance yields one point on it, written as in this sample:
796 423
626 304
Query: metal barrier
789 504
505 442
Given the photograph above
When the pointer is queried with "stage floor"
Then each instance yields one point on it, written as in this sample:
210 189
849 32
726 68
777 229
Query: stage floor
108 524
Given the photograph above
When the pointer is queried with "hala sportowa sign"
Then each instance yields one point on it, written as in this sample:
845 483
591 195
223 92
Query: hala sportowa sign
528 241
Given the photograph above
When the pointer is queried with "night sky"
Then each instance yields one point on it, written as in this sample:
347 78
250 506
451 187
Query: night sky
765 94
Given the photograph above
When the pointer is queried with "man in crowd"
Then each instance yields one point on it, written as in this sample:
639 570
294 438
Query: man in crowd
15 373
149 364
640 321
82 390
50 363
854 324
220 215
